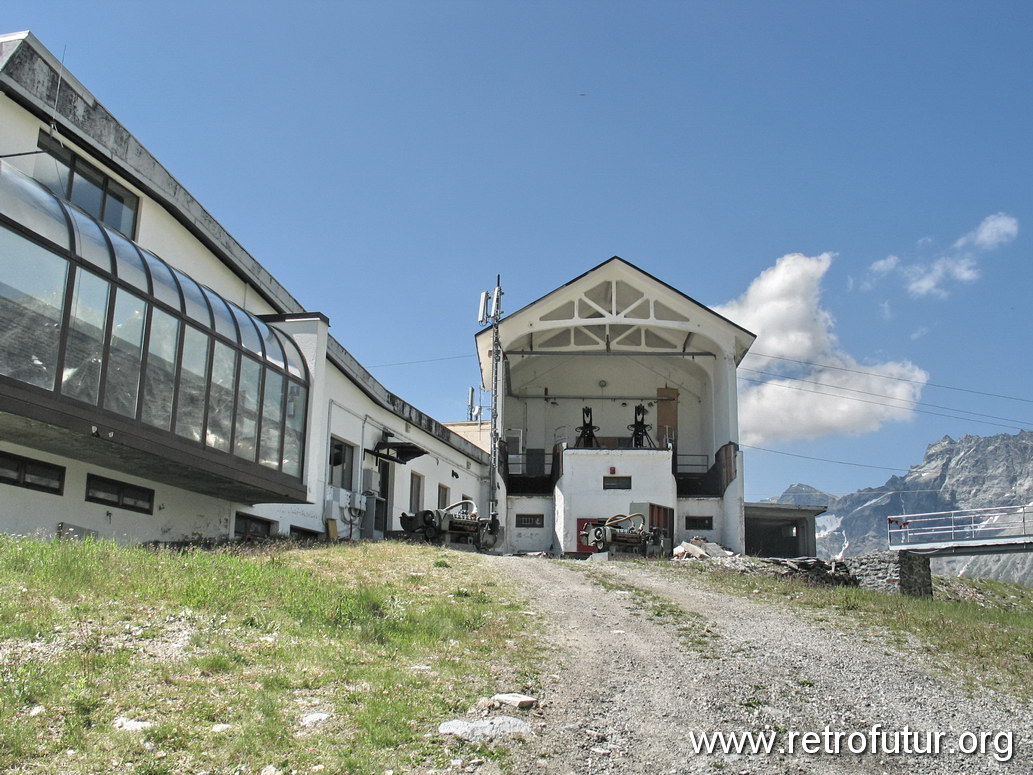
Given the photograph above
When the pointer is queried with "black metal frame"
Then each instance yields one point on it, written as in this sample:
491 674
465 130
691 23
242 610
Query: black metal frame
51 148
120 489
97 413
22 461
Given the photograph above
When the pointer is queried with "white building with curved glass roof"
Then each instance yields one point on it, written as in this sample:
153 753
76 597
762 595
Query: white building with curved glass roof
158 384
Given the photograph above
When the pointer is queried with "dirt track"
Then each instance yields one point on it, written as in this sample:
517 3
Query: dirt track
624 692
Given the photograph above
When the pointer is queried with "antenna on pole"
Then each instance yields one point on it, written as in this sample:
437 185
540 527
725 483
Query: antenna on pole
490 311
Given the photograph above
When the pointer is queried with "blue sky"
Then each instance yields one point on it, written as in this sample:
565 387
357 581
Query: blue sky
386 159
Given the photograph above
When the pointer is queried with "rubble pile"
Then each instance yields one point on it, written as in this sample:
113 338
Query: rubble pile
810 569
814 570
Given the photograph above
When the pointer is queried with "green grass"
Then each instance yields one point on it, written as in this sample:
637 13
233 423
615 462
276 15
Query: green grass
980 631
691 627
388 639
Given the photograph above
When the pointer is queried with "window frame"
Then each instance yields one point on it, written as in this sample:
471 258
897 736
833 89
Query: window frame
613 482
86 170
121 490
529 521
346 479
698 523
443 496
247 519
415 492
23 463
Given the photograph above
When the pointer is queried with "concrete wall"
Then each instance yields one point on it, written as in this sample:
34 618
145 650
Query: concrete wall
530 539
580 492
178 514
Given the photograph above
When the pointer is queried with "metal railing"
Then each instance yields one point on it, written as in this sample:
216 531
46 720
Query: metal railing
962 526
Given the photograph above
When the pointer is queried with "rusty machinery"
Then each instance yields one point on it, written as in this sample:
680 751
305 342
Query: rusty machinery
460 522
624 533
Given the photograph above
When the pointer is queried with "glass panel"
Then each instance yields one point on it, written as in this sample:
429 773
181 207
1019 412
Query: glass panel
122 386
247 408
163 283
53 170
27 202
129 265
89 240
137 498
196 306
84 350
223 317
220 397
102 490
294 429
10 468
295 363
193 379
272 420
120 208
87 189
32 298
273 350
159 385
44 476
249 337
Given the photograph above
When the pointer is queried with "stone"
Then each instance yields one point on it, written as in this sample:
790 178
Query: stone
269 769
517 700
486 729
221 727
36 710
314 719
131 725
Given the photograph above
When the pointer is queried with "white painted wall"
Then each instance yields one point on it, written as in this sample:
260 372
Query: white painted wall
178 514
583 496
638 376
530 539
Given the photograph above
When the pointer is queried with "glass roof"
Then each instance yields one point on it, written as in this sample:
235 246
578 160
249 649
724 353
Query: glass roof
33 207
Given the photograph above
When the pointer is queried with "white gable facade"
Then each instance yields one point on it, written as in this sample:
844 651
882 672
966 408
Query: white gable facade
613 342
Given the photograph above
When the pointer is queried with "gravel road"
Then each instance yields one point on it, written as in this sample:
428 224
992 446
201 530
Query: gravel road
624 692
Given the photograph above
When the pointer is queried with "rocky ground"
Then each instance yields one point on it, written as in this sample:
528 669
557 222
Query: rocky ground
625 689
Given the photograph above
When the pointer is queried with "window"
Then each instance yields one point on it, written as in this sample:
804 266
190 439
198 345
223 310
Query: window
82 184
616 482
119 494
123 332
304 534
342 464
699 523
443 496
415 493
246 527
33 474
530 520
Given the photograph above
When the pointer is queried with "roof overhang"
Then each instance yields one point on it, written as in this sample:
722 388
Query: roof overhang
615 309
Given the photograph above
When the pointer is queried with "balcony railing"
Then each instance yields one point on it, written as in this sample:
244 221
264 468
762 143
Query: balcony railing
967 526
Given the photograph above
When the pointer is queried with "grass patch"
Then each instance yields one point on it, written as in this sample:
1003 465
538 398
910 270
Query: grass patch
692 628
982 633
386 639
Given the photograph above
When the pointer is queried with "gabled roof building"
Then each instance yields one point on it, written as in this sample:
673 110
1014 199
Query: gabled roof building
157 383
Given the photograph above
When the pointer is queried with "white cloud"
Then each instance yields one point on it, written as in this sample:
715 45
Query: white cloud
884 265
885 310
995 230
960 264
877 270
918 333
930 279
783 304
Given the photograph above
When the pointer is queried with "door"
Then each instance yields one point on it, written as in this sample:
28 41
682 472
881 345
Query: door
666 416
383 506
